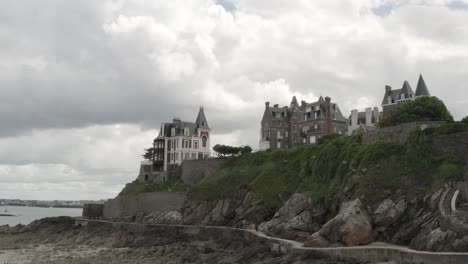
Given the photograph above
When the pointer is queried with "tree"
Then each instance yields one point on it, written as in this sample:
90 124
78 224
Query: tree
420 110
246 150
148 155
465 120
224 150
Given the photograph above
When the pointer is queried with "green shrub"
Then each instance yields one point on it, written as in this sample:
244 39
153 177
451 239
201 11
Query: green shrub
421 109
136 187
339 168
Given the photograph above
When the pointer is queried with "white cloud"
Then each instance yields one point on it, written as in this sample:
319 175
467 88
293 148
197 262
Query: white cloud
74 96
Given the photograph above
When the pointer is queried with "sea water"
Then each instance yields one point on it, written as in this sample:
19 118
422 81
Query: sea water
25 215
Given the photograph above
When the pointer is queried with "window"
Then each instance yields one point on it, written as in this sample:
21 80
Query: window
312 140
279 134
187 156
315 115
316 126
186 131
172 157
194 156
185 144
286 133
176 157
177 144
204 139
172 144
172 132
195 144
146 177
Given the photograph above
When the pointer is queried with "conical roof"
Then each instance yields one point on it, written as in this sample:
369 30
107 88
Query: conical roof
421 89
201 119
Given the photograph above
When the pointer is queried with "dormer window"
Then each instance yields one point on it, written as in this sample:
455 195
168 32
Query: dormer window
172 132
186 131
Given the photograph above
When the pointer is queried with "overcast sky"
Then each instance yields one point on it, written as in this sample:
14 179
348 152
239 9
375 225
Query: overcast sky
85 84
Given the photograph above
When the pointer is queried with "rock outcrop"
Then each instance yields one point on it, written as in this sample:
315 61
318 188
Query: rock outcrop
388 213
351 226
163 217
295 219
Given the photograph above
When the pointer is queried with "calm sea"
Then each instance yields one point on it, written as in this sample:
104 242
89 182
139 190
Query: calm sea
25 215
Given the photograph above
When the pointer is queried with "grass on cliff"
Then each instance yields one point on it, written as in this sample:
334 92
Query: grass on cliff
338 168
136 187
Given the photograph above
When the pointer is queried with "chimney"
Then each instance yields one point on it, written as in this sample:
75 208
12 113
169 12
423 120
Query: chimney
303 103
267 104
354 117
276 105
328 116
377 114
388 88
176 119
368 116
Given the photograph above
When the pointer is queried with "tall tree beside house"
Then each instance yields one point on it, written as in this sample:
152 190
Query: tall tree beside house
148 155
420 110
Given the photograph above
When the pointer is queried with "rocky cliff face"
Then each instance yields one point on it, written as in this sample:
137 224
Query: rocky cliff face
417 223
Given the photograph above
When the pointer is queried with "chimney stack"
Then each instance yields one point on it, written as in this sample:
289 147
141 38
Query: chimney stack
276 105
267 104
388 88
328 116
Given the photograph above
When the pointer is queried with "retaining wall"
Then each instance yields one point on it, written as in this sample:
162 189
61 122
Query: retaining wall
93 211
452 145
129 206
395 134
193 171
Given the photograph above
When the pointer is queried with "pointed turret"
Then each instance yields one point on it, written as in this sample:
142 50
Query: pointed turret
421 89
294 101
201 119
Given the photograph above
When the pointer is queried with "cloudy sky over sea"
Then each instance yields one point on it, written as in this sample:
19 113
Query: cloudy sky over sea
84 85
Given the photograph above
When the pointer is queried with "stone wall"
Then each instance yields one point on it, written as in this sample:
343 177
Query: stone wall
128 207
452 145
395 134
193 171
93 211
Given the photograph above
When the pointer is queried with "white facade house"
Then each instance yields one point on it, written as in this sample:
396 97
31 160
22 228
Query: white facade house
177 141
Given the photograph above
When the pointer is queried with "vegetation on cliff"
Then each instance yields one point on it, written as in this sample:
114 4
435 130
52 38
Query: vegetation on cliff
137 187
338 168
421 109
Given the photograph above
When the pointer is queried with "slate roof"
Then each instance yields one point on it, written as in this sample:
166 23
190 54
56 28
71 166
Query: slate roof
396 94
421 89
201 119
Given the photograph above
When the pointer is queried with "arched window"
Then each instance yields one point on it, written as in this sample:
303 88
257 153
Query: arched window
204 139
195 144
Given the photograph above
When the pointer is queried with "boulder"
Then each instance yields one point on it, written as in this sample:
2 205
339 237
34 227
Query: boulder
296 204
196 213
163 217
293 215
388 213
317 240
461 245
223 212
350 226
435 240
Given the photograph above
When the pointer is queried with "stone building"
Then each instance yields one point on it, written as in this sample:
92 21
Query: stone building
361 122
177 141
297 124
394 97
